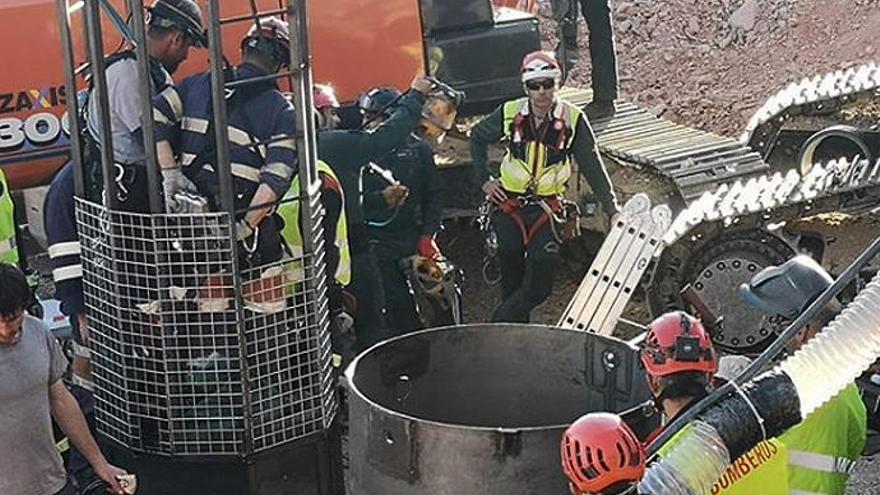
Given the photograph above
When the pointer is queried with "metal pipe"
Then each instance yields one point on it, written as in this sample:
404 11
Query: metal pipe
227 203
778 345
244 17
255 79
119 23
145 85
99 91
63 17
300 69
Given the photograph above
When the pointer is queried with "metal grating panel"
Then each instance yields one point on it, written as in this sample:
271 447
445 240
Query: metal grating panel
181 364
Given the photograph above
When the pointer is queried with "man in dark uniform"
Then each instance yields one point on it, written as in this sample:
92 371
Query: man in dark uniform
261 174
602 54
349 151
403 217
174 27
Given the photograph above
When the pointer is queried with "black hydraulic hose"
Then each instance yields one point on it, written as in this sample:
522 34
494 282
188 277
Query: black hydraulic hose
778 345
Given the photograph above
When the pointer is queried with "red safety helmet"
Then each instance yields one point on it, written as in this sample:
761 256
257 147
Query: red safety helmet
540 65
677 342
602 455
325 96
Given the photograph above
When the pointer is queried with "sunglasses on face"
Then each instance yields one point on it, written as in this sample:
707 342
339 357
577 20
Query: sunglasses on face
542 84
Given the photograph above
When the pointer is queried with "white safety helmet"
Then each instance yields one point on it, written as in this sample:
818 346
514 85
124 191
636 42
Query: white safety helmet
540 65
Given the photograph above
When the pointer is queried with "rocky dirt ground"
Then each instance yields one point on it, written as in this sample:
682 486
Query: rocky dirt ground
710 64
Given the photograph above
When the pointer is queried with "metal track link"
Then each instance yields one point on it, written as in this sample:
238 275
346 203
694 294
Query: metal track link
814 95
824 189
745 210
696 161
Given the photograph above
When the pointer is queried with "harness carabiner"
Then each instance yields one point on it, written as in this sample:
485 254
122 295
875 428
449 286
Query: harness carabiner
250 250
122 191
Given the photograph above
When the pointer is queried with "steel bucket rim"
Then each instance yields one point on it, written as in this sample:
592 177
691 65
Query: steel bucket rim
352 388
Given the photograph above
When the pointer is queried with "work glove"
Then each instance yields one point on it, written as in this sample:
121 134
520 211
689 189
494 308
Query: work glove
428 248
395 195
173 182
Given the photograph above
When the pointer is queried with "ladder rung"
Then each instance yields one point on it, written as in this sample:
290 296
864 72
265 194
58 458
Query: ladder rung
250 17
256 79
296 136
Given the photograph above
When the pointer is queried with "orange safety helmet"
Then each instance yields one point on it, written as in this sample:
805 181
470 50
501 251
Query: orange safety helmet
325 96
540 65
676 342
601 454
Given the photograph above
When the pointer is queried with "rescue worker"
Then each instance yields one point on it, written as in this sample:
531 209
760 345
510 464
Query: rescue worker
601 455
823 449
173 26
335 227
543 133
256 111
8 246
603 57
680 363
338 257
348 151
403 218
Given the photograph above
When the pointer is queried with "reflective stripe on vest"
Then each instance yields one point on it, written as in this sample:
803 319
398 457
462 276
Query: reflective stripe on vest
534 173
8 249
289 211
820 462
825 446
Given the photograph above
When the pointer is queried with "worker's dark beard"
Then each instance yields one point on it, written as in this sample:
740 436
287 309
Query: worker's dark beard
171 67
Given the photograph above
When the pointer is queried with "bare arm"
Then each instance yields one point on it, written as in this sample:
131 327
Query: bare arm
165 155
70 418
263 201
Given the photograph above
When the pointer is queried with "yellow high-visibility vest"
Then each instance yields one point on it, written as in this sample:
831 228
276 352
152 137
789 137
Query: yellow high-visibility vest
762 470
531 166
290 212
824 448
8 249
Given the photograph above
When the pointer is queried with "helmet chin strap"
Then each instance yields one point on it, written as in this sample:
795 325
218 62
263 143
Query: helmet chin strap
321 119
679 391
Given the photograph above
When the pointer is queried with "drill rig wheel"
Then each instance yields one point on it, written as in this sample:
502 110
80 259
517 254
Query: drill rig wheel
716 268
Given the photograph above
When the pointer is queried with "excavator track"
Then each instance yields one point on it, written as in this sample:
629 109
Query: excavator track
695 161
728 234
821 95
733 200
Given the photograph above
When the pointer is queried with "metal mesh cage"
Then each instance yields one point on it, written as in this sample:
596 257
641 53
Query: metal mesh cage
184 362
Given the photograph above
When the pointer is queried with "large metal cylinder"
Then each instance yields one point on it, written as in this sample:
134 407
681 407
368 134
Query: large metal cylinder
479 408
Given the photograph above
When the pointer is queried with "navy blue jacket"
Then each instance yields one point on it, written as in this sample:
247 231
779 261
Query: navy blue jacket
348 151
257 112
413 165
64 248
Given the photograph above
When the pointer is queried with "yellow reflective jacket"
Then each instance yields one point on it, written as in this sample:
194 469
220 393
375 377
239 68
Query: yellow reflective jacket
823 449
538 160
290 212
760 471
8 249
